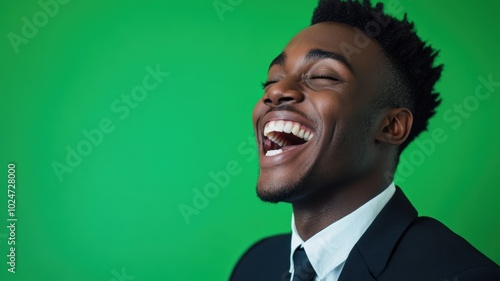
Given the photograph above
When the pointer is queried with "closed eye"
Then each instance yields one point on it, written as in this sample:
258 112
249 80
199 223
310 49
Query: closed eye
322 81
316 77
324 77
267 83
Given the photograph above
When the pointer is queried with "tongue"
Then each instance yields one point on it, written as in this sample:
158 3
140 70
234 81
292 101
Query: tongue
270 145
274 146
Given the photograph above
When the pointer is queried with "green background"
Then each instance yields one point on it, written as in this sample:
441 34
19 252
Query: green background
118 210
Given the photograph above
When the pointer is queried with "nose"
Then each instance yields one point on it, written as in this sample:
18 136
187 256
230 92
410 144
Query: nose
282 92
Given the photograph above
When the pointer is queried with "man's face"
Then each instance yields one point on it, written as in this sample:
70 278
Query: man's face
315 124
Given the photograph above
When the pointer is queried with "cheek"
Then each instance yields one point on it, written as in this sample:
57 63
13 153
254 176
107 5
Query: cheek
258 111
352 144
331 111
344 130
332 102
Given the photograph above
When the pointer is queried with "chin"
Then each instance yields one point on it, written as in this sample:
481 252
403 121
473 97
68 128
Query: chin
273 194
275 191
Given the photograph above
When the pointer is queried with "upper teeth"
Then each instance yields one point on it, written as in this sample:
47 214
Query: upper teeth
294 128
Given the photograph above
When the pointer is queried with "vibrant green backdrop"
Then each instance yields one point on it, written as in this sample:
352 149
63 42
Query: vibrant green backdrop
113 212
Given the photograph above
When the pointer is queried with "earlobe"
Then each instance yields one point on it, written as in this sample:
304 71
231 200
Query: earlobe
395 127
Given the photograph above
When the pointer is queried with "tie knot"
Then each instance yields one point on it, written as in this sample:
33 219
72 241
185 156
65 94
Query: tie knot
302 268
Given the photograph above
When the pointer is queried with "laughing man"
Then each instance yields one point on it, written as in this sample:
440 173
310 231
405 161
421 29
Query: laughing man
342 101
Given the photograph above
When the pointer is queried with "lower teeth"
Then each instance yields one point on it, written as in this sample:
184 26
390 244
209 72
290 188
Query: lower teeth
273 152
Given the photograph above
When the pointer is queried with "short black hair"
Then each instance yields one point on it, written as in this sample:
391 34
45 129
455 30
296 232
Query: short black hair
412 58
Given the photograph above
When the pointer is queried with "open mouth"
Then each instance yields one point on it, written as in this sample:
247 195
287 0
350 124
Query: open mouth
283 135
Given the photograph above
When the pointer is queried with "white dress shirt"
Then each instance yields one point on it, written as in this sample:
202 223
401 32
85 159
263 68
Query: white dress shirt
328 249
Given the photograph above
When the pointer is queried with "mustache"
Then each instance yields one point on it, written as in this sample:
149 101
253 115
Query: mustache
288 107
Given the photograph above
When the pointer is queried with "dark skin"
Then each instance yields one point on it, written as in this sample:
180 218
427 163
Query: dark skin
315 83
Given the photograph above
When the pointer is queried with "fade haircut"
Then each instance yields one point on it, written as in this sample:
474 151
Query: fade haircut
412 86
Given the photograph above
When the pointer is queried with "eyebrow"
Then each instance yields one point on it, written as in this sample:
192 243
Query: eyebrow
279 60
315 55
318 54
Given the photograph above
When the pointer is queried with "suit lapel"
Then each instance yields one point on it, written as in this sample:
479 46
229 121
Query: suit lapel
370 255
355 268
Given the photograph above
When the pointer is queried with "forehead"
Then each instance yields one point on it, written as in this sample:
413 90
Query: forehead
363 53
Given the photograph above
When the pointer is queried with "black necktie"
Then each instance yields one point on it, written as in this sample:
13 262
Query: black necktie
302 268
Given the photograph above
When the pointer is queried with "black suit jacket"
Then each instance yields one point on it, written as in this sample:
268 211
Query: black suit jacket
397 246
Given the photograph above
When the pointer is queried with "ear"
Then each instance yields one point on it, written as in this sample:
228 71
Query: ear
395 126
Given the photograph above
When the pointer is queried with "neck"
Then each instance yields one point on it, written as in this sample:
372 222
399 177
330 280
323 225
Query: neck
314 214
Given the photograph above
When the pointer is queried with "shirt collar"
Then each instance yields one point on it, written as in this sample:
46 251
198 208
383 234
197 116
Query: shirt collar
330 247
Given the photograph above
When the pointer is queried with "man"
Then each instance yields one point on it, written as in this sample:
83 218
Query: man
341 103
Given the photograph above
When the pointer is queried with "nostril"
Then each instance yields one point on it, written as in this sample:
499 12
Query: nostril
281 100
285 99
277 95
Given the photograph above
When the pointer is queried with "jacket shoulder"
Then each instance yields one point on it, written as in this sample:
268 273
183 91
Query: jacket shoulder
429 248
267 259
